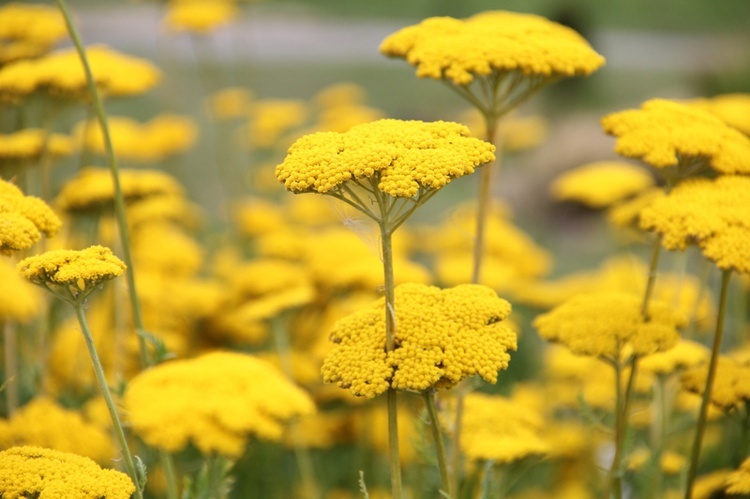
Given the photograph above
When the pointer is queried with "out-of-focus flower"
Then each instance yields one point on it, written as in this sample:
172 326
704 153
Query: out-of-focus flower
731 388
37 472
19 300
28 30
738 482
23 219
31 143
600 184
733 109
230 103
441 337
200 17
215 402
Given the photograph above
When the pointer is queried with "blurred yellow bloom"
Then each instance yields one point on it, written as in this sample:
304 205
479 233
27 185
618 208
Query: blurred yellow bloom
495 41
731 389
19 300
166 248
600 184
407 157
165 135
515 133
36 472
733 109
684 355
707 485
29 30
199 16
92 188
441 337
170 207
738 482
271 119
601 325
714 214
30 143
627 213
215 402
230 103
662 133
23 219
256 216
43 423
61 73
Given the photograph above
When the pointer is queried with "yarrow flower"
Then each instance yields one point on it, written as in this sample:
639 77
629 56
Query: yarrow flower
37 472
733 109
31 143
75 271
602 325
731 388
28 30
460 50
400 158
441 337
738 482
23 219
713 214
214 402
18 298
600 184
666 133
199 16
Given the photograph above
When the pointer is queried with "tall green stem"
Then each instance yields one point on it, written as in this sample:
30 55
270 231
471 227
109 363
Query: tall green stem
712 366
484 198
104 389
622 408
11 367
652 273
437 436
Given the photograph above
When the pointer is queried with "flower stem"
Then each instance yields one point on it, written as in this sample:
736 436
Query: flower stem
10 348
167 464
484 198
437 436
119 200
712 366
652 273
104 389
622 407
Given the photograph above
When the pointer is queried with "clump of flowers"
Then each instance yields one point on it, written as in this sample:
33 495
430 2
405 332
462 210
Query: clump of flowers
23 219
37 472
28 30
441 337
600 184
738 482
214 402
731 389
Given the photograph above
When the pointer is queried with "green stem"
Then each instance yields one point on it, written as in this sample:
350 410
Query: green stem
167 464
652 273
119 200
622 408
104 389
11 368
484 198
437 436
712 367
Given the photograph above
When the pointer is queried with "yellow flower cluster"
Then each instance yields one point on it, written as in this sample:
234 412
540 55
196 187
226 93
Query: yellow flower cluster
230 103
30 143
684 355
441 337
270 119
738 482
18 298
61 73
406 156
43 423
601 184
23 219
92 187
37 472
341 106
714 214
663 132
460 50
199 16
78 269
627 213
163 136
502 430
602 325
733 109
214 402
28 30
731 389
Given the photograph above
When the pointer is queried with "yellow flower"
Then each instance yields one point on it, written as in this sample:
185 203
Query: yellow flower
731 387
172 208
714 214
92 188
707 485
499 429
441 337
733 109
600 184
230 103
460 50
665 134
516 133
30 143
738 482
23 219
215 402
672 463
76 270
628 213
199 16
29 30
684 355
601 325
37 472
255 216
165 135
341 106
178 255
61 73
405 156
43 423
18 299
270 119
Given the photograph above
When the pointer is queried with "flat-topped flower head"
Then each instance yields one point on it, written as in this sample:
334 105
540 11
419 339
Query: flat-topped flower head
666 133
214 402
30 143
601 184
401 157
200 17
684 355
603 325
29 30
23 219
714 214
78 271
441 337
731 388
733 109
495 41
37 472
